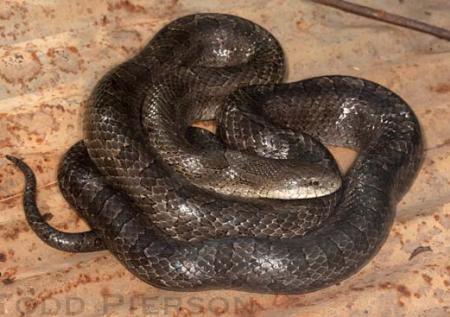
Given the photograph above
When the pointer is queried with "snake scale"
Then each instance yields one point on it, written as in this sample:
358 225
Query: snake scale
164 197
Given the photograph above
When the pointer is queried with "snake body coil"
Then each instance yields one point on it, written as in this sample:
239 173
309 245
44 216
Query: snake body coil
140 177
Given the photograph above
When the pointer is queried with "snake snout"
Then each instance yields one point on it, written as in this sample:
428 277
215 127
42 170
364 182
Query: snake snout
308 182
327 184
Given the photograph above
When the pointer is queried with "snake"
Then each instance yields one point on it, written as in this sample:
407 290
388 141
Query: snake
258 206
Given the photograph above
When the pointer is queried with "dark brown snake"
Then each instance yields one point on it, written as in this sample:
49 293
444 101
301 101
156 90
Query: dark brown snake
145 182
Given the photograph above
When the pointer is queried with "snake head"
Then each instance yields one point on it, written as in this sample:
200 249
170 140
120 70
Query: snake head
257 177
303 182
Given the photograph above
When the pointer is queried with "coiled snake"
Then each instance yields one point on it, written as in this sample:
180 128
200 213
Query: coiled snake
164 197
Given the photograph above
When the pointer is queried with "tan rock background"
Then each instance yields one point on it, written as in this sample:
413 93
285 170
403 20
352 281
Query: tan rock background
52 53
